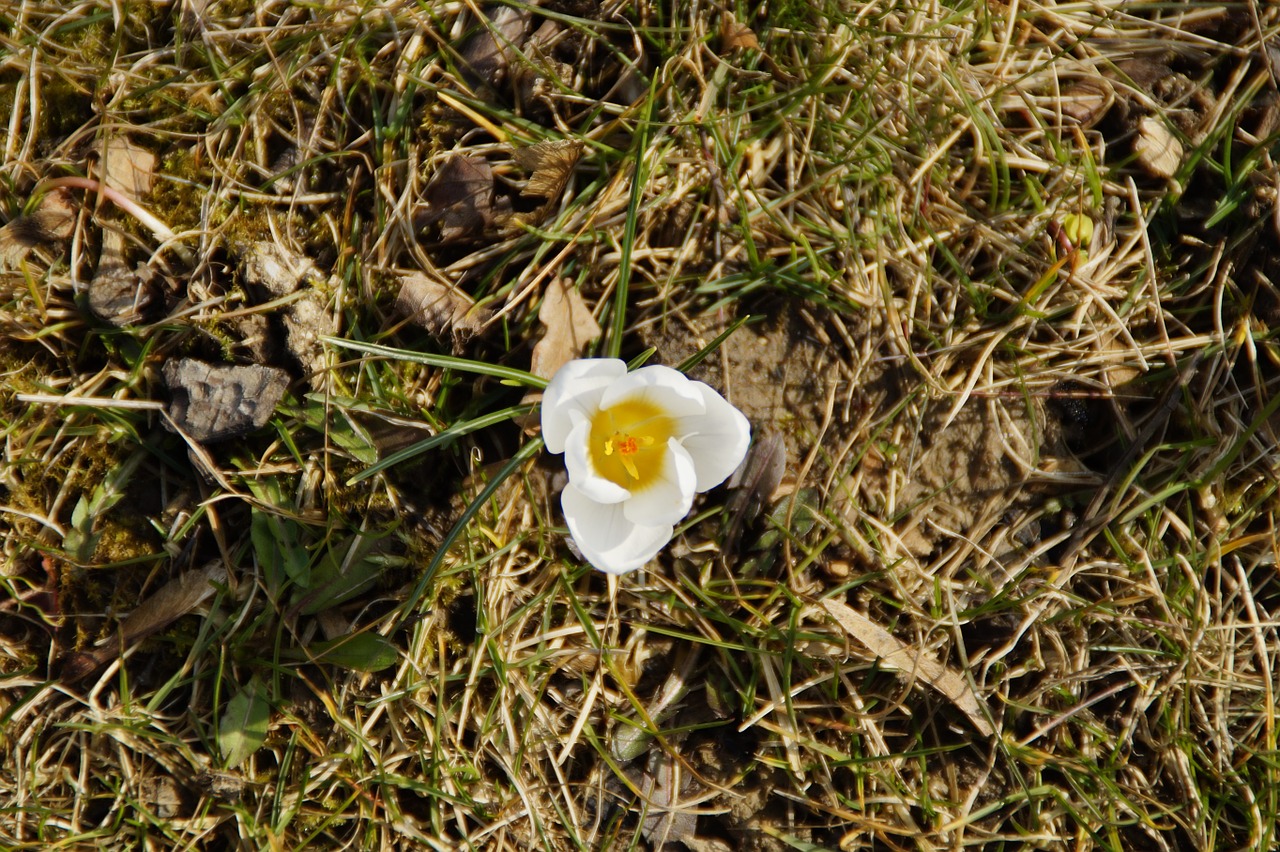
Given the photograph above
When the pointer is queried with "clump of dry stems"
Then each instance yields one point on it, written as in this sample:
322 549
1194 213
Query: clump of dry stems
1008 351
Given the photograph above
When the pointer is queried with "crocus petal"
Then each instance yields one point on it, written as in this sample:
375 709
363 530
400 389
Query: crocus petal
577 460
717 440
662 387
577 386
607 539
669 496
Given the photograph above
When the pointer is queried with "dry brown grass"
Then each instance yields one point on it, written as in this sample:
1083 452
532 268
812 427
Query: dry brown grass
1017 588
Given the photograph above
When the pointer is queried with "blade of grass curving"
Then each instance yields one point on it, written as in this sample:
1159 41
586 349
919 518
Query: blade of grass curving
445 437
618 327
528 451
1238 445
641 359
509 374
696 358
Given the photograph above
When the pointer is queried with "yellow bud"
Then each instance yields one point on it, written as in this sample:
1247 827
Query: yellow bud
1078 228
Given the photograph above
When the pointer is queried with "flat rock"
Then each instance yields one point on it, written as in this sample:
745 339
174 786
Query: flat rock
216 402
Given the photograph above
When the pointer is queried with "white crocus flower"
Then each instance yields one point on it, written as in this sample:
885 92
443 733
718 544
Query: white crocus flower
638 446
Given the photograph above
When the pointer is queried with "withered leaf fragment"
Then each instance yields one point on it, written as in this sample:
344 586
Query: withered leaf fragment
550 164
570 327
911 663
1087 101
1158 150
752 486
488 54
734 35
439 308
127 167
460 197
51 222
120 294
670 818
172 601
213 403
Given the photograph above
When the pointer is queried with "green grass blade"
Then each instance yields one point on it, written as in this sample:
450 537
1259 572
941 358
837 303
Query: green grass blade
444 438
448 362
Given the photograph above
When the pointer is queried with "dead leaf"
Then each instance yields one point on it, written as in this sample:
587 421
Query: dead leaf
1086 101
896 654
127 167
460 197
550 165
570 328
489 53
174 600
439 308
753 485
51 222
56 215
121 294
213 403
667 820
1158 150
735 35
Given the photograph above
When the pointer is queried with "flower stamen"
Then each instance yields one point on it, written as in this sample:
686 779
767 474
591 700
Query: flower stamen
628 443
627 446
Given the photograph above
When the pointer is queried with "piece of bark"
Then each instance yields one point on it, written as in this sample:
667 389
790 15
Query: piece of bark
257 339
306 321
161 795
222 784
280 272
214 403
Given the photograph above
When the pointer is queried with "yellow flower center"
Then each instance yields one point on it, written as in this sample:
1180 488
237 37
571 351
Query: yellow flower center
628 442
